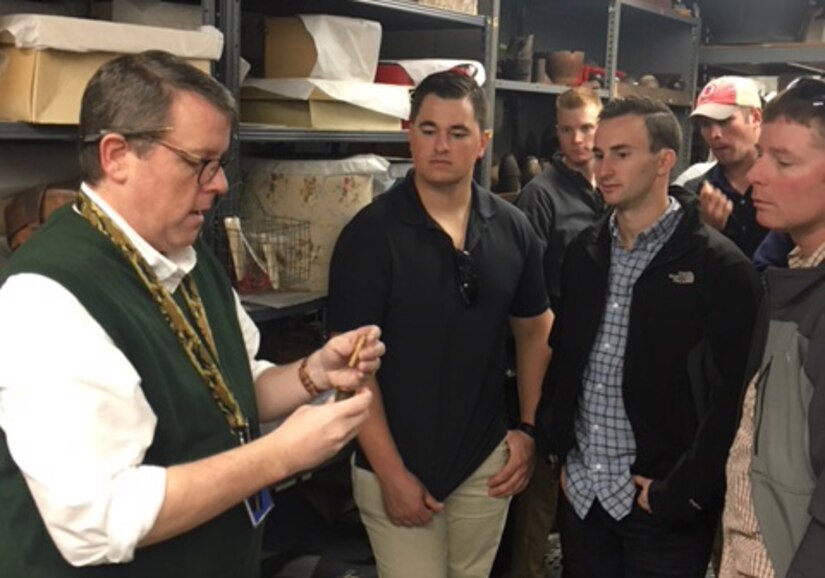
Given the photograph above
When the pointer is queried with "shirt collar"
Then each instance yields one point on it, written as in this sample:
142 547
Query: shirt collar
169 269
661 228
483 206
716 175
796 261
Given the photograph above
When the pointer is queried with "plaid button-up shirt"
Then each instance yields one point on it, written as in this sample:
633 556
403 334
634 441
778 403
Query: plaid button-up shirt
599 466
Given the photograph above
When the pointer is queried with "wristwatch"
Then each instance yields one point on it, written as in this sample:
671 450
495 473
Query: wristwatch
527 428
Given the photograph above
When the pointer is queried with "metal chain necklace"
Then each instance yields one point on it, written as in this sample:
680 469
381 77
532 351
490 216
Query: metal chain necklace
203 357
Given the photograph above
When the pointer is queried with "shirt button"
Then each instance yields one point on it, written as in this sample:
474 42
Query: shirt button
595 427
606 346
597 467
615 305
599 386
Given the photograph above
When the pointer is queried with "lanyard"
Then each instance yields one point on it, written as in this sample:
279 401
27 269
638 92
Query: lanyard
203 357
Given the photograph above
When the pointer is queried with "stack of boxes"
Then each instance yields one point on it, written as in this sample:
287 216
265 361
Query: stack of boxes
317 72
46 61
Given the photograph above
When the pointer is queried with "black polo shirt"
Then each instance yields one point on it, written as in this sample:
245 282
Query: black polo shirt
742 227
442 378
560 203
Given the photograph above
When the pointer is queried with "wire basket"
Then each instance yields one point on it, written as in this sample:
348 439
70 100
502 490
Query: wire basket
269 252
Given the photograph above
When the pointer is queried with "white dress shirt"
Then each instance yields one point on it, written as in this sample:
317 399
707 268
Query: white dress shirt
74 414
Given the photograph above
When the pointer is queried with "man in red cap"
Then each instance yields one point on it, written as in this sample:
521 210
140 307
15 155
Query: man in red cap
729 114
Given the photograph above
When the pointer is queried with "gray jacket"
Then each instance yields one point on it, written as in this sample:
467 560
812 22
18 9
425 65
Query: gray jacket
788 466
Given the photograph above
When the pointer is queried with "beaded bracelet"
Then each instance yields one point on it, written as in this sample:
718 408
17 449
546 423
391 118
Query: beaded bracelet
306 380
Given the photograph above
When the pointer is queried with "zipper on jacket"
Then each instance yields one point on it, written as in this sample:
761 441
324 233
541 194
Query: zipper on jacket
761 381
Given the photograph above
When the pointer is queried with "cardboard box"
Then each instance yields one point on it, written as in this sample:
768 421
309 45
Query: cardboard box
325 104
466 6
316 46
45 85
317 113
326 193
289 51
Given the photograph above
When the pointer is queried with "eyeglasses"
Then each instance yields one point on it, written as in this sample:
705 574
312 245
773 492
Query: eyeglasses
466 278
205 168
810 88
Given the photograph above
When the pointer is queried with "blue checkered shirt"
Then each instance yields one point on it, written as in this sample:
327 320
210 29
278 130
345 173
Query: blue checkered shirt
599 466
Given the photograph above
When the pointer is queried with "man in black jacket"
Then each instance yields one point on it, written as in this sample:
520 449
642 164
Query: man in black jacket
560 203
650 348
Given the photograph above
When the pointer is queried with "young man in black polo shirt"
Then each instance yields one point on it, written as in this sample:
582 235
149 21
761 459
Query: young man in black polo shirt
649 354
444 265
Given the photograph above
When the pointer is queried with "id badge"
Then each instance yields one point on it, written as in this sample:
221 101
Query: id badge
258 506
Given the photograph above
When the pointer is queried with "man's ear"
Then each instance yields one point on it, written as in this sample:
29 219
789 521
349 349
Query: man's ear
114 155
756 116
665 161
486 135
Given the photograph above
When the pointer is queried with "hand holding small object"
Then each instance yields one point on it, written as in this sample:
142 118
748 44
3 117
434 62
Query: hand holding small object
353 361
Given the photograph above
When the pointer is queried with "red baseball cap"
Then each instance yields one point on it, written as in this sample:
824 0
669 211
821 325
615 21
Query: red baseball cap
722 96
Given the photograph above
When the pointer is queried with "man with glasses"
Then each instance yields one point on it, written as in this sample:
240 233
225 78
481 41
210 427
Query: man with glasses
130 395
443 266
774 520
649 354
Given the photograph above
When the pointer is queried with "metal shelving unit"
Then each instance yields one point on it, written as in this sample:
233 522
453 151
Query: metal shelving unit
535 87
765 59
395 16
634 26
37 132
263 134
634 36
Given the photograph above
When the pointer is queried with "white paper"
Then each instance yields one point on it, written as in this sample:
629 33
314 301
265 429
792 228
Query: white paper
42 32
347 47
389 99
421 68
354 165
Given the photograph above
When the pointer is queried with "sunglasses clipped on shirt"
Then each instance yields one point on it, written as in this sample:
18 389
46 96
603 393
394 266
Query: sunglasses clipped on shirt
466 278
205 168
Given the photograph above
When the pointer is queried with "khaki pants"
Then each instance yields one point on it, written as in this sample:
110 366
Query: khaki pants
460 541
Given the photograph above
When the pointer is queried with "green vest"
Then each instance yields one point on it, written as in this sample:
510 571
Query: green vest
189 424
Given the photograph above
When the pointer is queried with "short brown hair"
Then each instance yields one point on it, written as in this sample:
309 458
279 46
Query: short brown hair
578 97
451 85
136 91
803 103
663 128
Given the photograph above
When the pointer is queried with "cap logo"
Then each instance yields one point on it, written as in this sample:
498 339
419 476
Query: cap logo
708 90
